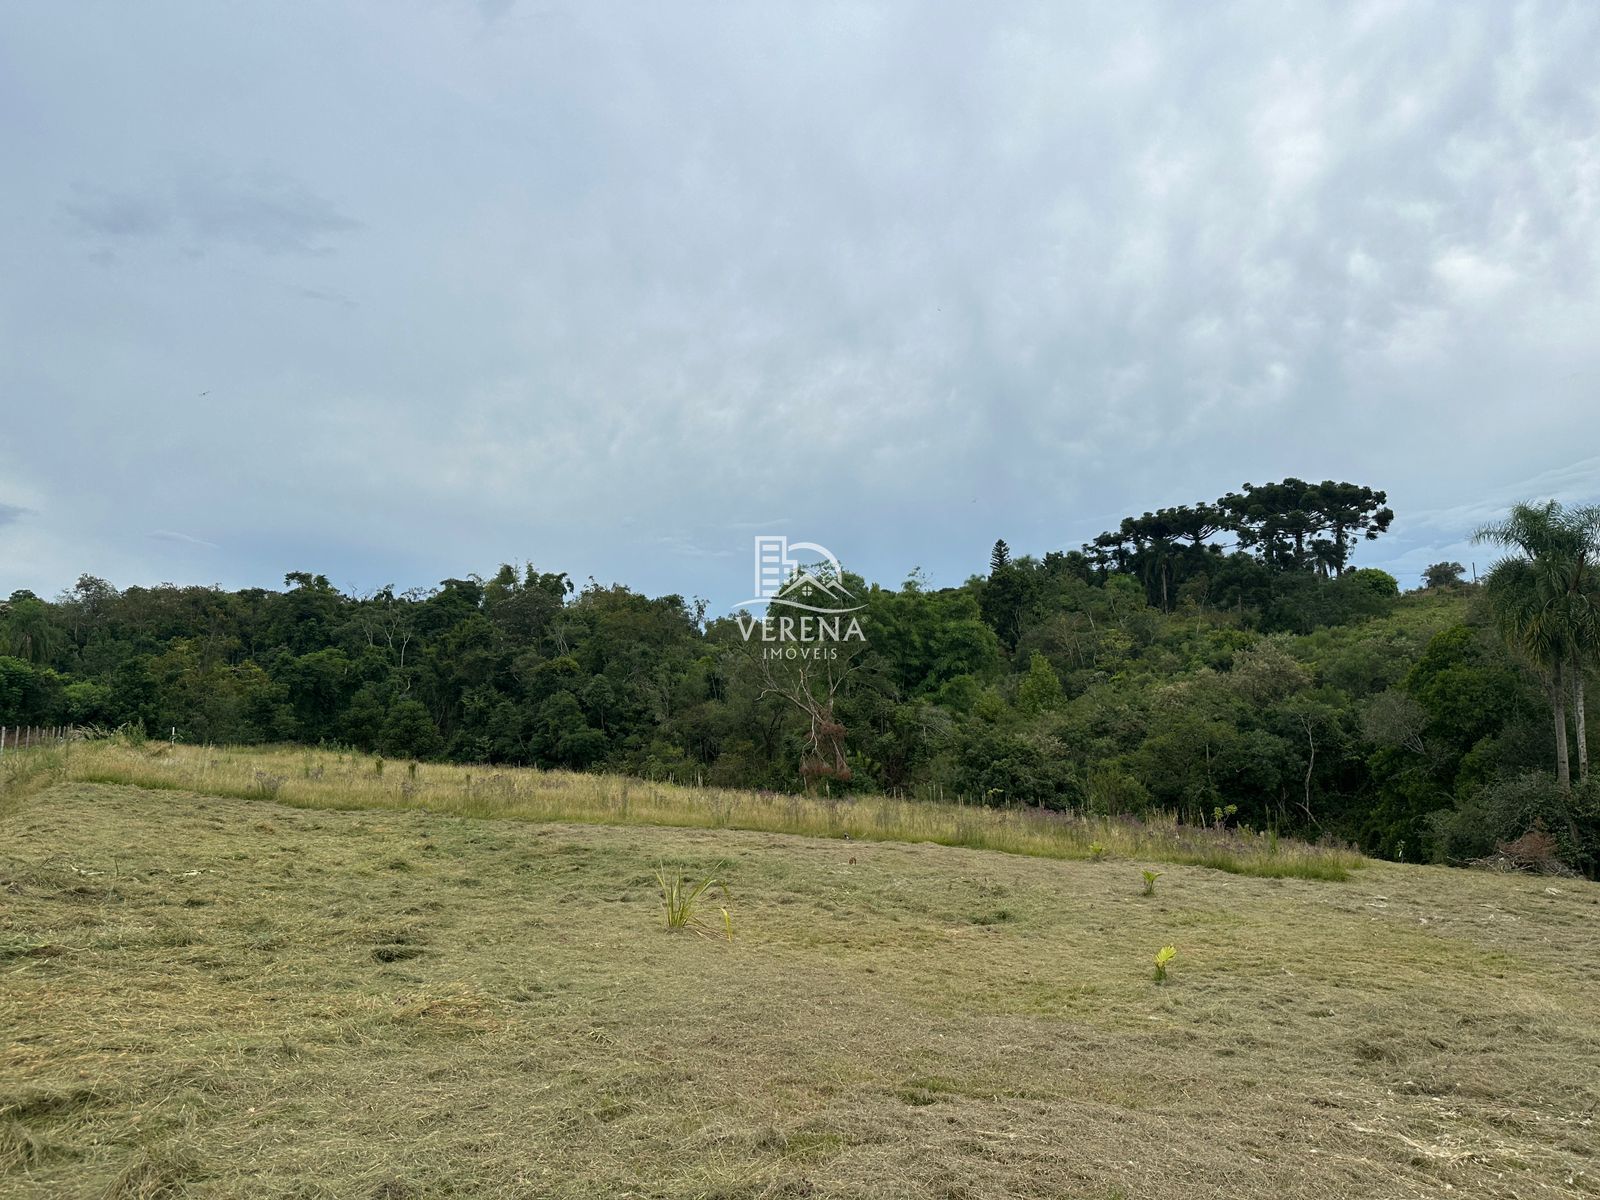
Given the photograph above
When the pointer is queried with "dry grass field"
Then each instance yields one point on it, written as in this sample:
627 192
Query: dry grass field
229 995
328 779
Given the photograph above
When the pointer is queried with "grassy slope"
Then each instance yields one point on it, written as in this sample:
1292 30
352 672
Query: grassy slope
325 779
230 997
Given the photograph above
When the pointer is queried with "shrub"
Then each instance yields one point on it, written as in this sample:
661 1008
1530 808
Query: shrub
1111 791
410 732
131 734
1443 575
1010 769
1502 813
1150 878
681 899
1040 689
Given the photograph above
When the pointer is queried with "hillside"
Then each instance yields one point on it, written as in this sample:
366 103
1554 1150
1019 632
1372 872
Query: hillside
227 996
1315 705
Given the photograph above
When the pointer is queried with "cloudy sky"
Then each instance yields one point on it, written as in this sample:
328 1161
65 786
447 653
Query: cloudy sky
398 291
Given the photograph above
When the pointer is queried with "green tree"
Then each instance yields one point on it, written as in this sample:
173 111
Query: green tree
1346 513
1162 549
1040 689
410 732
31 635
1295 525
1004 599
362 722
87 703
562 735
1443 575
28 694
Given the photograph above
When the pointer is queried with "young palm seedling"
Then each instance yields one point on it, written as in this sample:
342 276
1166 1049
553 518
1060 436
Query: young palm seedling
1163 956
1150 878
682 900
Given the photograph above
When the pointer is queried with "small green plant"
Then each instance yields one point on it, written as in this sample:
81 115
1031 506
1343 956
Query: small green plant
1150 878
682 899
1163 956
1098 853
131 734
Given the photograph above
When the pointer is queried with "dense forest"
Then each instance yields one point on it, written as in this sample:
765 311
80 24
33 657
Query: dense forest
1225 661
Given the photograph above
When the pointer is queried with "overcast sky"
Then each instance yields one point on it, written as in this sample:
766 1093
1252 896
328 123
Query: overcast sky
398 291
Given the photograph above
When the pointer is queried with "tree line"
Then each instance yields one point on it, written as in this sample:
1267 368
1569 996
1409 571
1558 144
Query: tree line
1227 661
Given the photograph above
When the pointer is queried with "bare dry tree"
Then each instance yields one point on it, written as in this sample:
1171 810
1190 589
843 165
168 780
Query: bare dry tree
812 685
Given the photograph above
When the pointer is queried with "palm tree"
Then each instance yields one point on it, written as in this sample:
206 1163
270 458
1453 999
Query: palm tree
1583 610
1546 599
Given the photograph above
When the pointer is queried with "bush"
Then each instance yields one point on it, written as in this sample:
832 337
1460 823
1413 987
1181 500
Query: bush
87 703
1111 791
29 695
409 732
1443 575
1006 769
1494 821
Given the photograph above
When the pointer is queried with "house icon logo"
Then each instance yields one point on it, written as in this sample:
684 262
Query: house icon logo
800 575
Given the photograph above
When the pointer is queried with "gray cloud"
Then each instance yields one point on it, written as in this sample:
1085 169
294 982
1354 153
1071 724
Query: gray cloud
626 282
324 296
10 513
259 212
120 216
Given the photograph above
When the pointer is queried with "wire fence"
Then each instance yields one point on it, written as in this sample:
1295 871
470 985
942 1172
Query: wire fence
22 737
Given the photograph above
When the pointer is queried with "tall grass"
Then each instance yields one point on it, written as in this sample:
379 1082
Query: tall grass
26 771
309 778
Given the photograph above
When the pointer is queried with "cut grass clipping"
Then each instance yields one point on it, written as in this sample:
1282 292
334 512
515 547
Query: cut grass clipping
212 997
682 900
